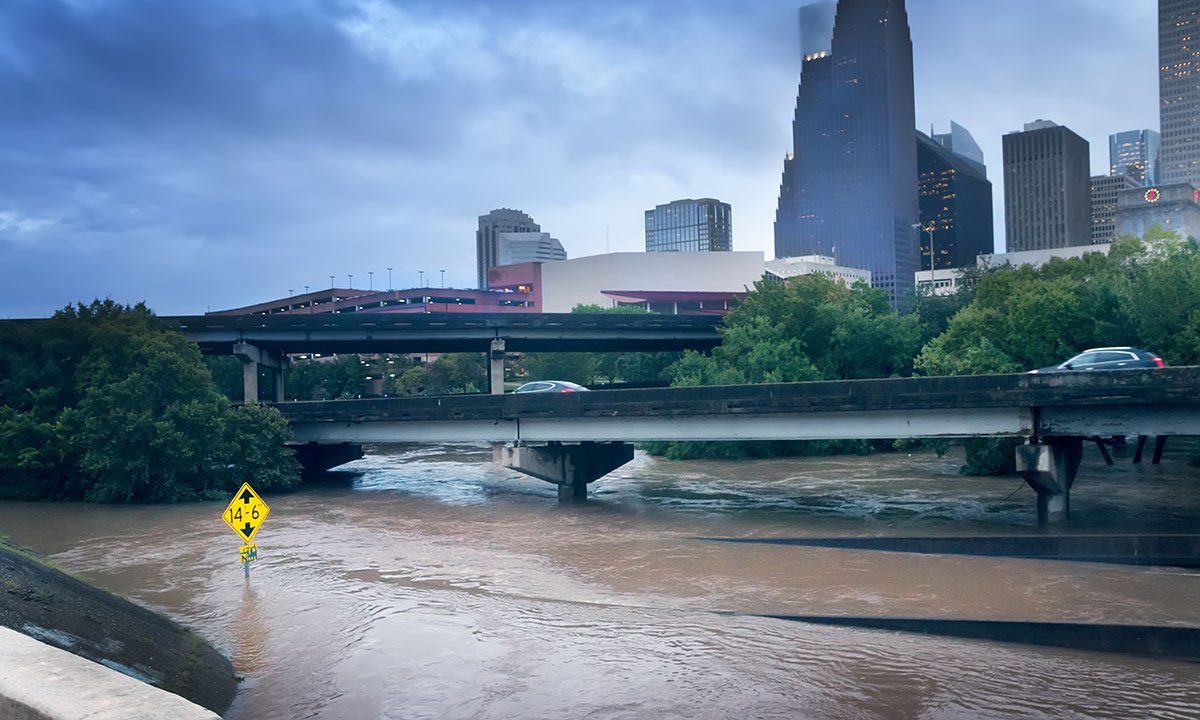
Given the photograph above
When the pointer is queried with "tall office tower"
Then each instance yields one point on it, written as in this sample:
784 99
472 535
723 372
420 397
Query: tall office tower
704 225
487 237
523 247
1135 153
847 189
1106 189
1179 91
1047 188
816 28
955 202
961 143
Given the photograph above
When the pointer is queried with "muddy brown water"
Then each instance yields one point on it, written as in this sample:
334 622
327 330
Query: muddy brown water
430 584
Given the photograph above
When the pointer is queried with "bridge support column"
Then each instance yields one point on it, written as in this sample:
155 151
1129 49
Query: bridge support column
318 457
253 358
1050 468
570 467
496 367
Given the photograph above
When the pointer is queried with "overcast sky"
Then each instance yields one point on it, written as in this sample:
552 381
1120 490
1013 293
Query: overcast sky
217 153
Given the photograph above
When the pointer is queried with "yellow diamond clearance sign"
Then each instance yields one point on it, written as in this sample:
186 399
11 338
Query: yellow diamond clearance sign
245 513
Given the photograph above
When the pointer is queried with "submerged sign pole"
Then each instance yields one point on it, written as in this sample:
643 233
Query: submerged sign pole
245 514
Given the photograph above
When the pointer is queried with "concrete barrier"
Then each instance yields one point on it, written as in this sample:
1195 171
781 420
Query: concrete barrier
41 682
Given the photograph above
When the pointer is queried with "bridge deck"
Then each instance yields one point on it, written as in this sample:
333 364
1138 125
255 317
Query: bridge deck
1152 402
450 332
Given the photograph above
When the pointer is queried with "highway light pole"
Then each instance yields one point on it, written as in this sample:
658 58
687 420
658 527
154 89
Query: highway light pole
421 275
371 280
443 278
389 279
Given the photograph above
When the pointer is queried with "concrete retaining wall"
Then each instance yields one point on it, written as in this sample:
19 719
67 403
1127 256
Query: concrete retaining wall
41 682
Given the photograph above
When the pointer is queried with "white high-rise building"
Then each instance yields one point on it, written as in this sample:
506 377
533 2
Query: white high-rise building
522 247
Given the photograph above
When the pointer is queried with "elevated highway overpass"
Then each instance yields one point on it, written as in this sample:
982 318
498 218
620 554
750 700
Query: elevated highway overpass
266 340
574 438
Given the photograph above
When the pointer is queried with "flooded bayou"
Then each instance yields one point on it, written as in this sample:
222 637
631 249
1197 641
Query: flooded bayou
425 582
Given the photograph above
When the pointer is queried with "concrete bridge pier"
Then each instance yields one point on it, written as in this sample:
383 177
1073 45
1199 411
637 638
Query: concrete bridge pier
496 367
254 357
570 467
1050 468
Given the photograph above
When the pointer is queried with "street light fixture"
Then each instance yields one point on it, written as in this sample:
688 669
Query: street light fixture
443 278
421 274
330 282
389 279
371 280
351 276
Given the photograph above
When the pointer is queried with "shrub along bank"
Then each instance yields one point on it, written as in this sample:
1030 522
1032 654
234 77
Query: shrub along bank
102 403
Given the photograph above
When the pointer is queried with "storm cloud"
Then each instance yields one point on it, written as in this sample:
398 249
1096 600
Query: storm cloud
215 154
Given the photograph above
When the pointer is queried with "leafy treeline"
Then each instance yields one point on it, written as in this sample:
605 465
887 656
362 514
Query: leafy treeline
1145 292
101 403
811 328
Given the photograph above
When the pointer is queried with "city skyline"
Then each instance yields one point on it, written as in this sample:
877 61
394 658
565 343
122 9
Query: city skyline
196 156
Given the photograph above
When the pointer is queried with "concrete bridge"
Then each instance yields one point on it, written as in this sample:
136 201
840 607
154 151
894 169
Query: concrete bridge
573 439
265 340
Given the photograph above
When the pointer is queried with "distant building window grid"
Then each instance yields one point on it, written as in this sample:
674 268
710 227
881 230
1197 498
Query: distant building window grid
1179 93
689 226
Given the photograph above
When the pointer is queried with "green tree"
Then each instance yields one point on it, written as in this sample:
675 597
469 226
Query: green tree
128 412
227 374
456 373
324 378
811 328
1145 292
574 367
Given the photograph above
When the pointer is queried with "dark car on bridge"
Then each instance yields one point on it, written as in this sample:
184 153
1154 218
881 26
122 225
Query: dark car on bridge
1107 358
550 386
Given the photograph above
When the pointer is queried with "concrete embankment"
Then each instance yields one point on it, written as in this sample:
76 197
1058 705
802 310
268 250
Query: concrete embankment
40 682
63 612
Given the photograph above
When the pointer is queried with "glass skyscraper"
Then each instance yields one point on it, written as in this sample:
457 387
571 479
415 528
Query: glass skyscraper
849 188
816 28
956 201
1135 153
960 142
1179 91
704 225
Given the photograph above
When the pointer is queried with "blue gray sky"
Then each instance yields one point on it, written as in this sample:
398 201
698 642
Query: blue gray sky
214 154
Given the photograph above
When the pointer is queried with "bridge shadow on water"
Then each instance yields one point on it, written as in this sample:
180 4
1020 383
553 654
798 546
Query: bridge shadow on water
1169 550
1164 642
